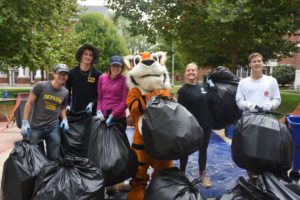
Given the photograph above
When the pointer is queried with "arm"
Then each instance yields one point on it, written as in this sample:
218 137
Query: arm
68 86
275 98
99 90
240 98
136 103
182 98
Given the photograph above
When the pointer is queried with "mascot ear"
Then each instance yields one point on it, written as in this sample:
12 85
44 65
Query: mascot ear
128 60
162 57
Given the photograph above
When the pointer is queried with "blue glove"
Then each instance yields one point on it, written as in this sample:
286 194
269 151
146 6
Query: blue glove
267 107
100 115
109 120
89 108
25 130
252 108
64 125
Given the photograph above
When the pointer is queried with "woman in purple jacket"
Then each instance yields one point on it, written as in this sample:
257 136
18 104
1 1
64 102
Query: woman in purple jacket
112 94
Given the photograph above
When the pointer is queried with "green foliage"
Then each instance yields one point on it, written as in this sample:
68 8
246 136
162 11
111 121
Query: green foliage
285 74
32 31
217 32
99 31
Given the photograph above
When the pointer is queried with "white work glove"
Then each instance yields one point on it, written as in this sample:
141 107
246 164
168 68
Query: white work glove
89 108
252 108
68 108
25 130
64 125
267 107
100 115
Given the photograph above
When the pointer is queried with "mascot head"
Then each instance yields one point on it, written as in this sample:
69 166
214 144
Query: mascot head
147 71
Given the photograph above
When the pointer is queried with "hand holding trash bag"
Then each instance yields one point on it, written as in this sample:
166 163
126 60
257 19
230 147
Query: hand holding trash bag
68 109
267 107
109 120
252 108
64 125
89 108
100 115
25 130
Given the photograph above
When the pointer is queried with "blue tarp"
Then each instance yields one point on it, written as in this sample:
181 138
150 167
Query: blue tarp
220 167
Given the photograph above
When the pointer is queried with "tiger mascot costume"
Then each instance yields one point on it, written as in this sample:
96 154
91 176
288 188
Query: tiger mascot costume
147 77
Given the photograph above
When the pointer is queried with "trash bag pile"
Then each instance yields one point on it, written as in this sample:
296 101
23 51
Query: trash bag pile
170 131
20 170
221 90
68 179
267 187
172 184
261 143
110 151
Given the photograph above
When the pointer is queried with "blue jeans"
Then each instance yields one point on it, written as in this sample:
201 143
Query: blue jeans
52 138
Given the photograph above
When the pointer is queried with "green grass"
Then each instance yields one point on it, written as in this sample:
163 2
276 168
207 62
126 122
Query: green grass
13 91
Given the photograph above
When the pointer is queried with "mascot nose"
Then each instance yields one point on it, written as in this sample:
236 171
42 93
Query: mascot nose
148 62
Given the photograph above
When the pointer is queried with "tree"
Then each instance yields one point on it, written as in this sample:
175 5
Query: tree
99 31
285 74
217 32
31 30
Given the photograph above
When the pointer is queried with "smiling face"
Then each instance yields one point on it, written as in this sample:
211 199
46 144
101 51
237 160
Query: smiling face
191 73
115 70
256 64
60 78
87 57
149 72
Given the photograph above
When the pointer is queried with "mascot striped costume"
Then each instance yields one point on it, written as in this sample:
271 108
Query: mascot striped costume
147 77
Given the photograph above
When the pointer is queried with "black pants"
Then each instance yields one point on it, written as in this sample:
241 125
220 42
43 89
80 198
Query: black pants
202 159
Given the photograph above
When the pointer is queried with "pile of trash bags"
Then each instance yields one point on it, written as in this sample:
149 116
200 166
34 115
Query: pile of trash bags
267 187
221 89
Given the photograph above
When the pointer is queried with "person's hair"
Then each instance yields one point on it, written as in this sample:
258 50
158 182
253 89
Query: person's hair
191 64
253 55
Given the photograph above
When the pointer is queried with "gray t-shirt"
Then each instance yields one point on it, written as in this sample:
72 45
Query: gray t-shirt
48 105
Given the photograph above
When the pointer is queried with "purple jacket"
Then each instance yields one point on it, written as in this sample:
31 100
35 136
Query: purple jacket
112 94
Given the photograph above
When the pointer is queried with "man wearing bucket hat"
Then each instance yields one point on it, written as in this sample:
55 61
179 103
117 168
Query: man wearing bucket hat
82 81
46 102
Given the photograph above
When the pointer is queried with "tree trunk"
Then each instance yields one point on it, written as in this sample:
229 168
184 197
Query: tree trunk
42 71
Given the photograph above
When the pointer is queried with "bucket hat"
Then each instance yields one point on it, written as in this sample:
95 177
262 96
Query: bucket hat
90 47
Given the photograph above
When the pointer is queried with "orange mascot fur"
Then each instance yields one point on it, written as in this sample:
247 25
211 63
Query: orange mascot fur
147 77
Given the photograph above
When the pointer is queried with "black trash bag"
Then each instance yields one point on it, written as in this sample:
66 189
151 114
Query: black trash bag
19 112
221 74
172 184
262 143
69 179
110 151
246 191
71 142
276 186
170 131
222 104
20 171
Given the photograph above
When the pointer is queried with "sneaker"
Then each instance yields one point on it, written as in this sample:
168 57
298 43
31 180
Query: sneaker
205 181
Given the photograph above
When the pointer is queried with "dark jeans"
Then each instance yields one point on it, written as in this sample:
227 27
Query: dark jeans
51 137
202 153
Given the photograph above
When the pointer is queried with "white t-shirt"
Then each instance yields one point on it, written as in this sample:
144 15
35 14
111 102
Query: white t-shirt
258 92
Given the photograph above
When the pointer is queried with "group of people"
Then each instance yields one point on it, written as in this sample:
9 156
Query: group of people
81 89
84 88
